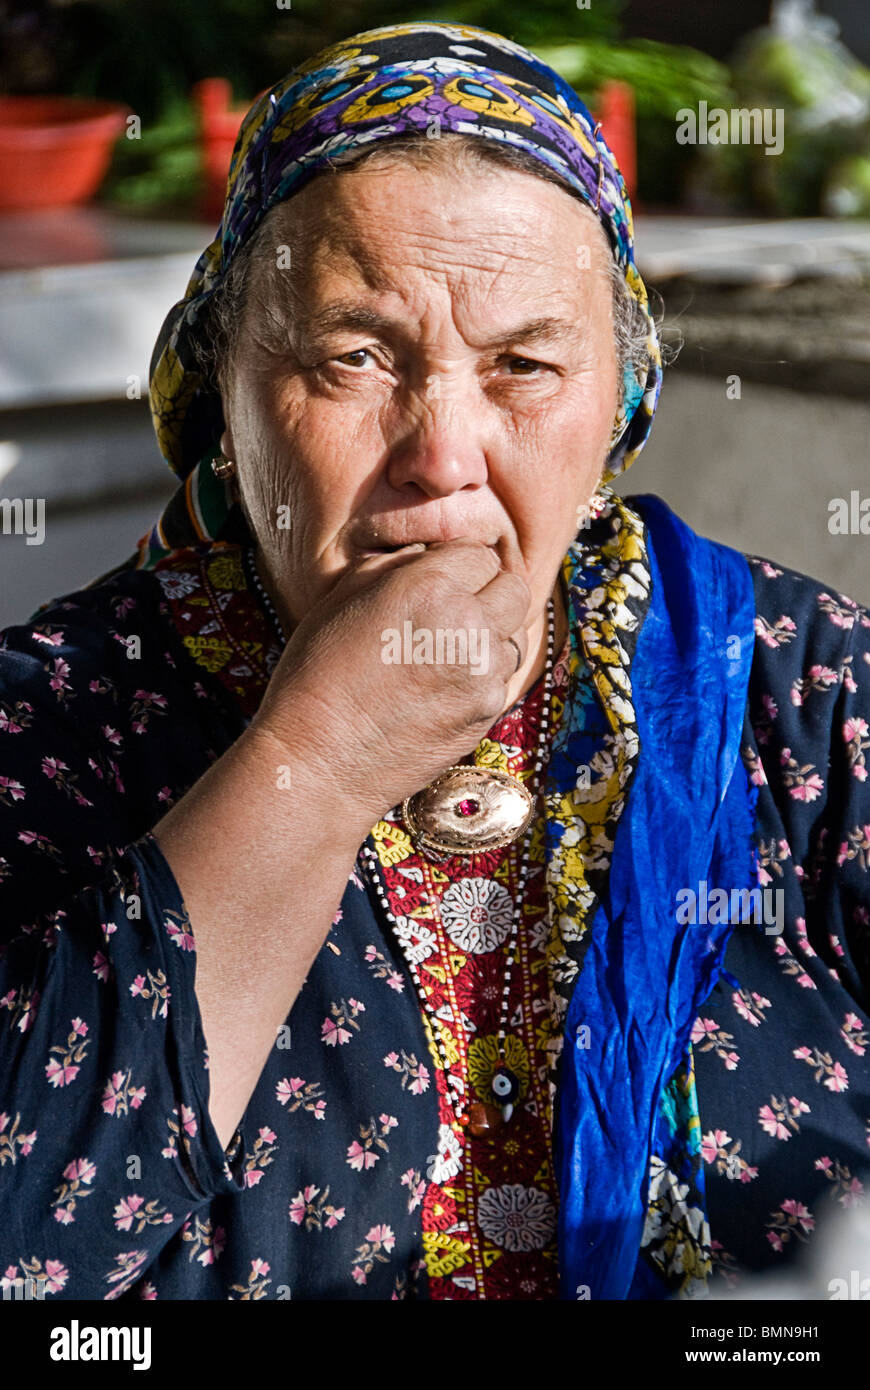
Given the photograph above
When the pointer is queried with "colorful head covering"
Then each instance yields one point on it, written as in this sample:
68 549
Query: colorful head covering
408 78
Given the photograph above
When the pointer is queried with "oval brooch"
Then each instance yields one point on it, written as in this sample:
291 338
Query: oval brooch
467 810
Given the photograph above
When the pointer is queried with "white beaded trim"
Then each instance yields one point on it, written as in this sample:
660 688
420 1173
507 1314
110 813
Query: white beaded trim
370 859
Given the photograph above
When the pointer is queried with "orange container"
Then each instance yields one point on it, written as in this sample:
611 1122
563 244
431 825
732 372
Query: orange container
615 111
219 124
54 151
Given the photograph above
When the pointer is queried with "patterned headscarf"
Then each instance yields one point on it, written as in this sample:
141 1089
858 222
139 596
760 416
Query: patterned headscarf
406 78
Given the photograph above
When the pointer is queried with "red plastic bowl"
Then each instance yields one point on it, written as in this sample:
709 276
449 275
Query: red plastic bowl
54 151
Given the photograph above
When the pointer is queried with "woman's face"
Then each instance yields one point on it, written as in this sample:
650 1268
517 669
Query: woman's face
436 360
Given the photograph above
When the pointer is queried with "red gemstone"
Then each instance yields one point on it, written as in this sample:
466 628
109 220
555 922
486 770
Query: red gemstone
467 807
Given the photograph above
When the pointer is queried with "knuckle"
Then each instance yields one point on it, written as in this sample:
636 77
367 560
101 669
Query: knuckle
514 588
491 701
440 578
466 612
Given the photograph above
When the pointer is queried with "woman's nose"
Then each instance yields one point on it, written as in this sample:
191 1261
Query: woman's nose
442 443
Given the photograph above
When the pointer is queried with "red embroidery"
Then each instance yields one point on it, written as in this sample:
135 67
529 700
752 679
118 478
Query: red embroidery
490 1211
220 622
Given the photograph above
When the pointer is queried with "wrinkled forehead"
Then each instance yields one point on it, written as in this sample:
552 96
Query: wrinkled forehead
379 226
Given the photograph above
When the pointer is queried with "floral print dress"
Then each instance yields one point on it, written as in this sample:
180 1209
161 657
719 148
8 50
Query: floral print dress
347 1177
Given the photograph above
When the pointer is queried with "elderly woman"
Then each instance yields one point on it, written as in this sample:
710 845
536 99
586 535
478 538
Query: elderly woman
425 874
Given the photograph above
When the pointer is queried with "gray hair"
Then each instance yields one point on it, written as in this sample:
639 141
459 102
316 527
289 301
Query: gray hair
467 153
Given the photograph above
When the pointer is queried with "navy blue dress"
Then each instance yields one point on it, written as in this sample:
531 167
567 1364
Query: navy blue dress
113 1183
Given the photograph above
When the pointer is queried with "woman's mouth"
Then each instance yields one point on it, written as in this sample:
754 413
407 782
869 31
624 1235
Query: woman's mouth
389 549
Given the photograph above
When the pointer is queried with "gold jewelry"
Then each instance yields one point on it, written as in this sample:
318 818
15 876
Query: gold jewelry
222 467
467 810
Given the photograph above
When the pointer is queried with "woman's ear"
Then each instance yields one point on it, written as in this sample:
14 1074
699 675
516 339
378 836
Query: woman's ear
226 444
227 448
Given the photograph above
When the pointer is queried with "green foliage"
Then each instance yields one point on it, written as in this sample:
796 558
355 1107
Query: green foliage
162 169
149 55
664 79
546 22
149 59
824 94
847 187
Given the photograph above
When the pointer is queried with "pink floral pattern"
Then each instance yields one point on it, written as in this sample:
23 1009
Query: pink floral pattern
797 1017
342 1155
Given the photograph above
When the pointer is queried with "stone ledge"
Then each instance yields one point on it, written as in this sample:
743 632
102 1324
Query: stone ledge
812 335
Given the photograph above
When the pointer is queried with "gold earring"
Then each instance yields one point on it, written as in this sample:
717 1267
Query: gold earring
222 467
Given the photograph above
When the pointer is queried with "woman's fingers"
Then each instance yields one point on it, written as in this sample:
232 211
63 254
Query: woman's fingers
370 569
502 596
465 565
505 602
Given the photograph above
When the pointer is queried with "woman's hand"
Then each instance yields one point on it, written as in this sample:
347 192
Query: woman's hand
262 862
387 728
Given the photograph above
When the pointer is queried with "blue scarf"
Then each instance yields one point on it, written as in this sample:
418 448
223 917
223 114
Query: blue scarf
688 819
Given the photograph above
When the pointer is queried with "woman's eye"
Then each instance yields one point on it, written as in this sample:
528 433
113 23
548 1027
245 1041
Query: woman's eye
357 353
524 366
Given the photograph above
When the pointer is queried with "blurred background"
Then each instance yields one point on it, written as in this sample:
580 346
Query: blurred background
116 127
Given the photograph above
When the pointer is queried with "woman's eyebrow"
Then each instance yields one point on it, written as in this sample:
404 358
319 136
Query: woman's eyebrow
344 315
539 330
